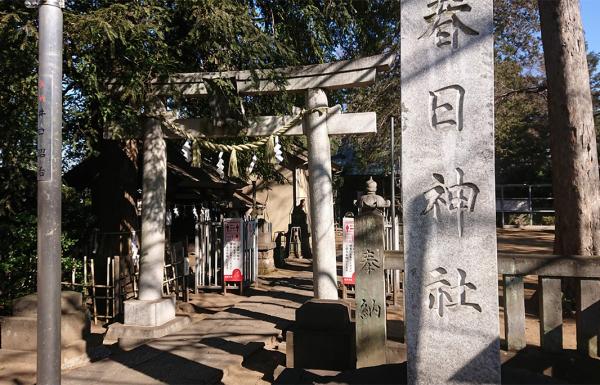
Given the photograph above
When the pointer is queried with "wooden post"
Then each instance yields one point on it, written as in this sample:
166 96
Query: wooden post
93 282
198 269
107 289
86 292
551 338
514 312
502 203
73 278
588 316
116 287
186 270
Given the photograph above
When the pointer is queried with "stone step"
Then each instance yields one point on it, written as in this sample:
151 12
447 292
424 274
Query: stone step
70 302
20 333
19 366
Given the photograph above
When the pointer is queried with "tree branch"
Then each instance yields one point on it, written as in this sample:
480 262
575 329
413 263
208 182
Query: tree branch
527 90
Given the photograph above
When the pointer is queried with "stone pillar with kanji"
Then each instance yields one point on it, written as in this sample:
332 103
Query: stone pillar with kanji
448 191
370 281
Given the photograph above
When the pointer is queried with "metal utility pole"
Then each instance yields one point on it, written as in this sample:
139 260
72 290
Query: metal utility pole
49 147
394 247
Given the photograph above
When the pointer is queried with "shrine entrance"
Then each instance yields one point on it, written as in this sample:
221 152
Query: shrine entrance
317 120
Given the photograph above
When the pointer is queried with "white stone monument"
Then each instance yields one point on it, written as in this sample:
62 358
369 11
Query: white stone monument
448 191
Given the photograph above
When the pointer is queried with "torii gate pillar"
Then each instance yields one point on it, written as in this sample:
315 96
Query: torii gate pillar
154 186
151 308
321 197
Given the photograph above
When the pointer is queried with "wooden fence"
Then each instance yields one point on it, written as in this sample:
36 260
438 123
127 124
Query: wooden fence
98 291
550 270
105 294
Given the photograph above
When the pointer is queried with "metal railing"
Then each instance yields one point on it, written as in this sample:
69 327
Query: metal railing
250 251
208 255
523 199
208 269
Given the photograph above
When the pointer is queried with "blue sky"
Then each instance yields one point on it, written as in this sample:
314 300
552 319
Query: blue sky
590 13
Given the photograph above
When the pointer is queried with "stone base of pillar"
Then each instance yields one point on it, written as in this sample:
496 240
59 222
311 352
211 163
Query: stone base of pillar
130 337
149 313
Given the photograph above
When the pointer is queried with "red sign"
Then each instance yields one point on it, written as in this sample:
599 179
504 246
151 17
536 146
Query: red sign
232 250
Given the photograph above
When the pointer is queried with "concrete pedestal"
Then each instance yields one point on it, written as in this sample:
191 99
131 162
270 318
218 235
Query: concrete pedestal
145 321
149 313
19 332
130 337
323 337
18 335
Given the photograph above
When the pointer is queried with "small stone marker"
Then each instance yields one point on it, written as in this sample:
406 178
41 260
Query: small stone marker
448 191
370 281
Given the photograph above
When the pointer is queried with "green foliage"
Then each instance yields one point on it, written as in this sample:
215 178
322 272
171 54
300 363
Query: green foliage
518 219
548 220
521 116
522 131
384 99
18 258
18 261
517 32
594 67
522 134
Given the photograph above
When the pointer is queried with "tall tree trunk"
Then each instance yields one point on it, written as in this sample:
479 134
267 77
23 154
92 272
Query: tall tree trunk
575 175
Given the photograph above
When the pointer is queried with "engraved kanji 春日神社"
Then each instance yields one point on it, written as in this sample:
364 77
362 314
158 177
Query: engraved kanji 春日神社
446 107
442 294
457 198
445 22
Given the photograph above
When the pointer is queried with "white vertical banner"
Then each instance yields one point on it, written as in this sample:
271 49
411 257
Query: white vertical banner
348 277
232 250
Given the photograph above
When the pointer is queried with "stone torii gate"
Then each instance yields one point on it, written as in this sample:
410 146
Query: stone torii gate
151 309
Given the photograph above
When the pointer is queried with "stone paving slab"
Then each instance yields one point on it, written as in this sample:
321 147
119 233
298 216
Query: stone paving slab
210 350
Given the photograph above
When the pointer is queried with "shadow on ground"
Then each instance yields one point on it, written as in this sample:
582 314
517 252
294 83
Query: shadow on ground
529 366
165 367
